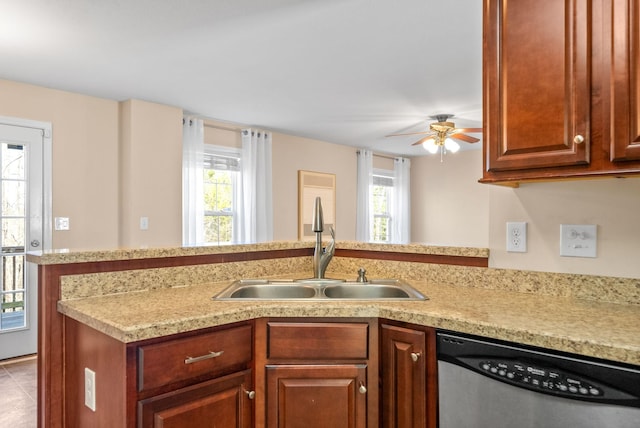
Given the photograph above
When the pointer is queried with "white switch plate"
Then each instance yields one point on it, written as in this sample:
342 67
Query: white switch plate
578 240
62 223
90 388
517 237
144 223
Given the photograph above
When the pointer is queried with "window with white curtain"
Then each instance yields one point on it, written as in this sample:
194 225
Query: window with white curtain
221 178
383 201
381 195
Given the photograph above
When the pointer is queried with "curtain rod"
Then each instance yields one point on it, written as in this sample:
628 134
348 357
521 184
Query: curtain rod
385 156
208 125
378 155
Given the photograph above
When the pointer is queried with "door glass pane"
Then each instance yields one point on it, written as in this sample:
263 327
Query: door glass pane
12 161
12 238
12 234
13 196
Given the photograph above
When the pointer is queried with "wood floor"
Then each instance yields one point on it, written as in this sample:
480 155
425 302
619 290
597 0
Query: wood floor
18 392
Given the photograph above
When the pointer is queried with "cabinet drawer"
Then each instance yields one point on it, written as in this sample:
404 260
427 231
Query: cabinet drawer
180 359
317 341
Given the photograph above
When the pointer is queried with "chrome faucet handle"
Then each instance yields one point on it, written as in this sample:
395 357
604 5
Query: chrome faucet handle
327 254
361 275
331 248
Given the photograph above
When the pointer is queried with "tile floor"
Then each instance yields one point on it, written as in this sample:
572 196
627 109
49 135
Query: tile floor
18 385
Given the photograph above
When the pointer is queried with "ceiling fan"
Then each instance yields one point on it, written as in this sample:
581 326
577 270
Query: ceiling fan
441 135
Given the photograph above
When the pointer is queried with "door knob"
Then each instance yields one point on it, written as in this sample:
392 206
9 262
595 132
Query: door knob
415 356
35 243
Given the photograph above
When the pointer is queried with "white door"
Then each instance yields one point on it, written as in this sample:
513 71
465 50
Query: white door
22 216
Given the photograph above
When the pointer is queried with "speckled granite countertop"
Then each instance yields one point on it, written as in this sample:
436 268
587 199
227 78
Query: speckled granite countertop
599 329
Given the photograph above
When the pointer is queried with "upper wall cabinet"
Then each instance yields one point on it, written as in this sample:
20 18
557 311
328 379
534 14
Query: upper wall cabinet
560 89
625 79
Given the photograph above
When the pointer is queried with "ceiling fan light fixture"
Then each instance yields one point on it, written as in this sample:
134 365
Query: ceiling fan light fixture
451 145
430 146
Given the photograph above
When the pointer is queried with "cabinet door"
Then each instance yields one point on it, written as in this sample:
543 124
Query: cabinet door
537 89
625 80
220 402
404 377
316 396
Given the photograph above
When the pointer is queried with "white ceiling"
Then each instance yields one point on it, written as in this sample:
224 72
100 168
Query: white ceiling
342 71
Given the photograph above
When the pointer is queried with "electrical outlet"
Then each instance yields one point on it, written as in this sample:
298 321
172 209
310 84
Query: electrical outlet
517 237
90 388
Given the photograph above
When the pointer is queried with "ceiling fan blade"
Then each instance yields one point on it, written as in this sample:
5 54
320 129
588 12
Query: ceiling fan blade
422 140
463 137
410 133
468 130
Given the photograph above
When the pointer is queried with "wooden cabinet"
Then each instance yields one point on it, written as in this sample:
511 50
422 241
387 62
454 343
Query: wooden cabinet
408 372
318 373
624 39
560 89
170 361
182 381
223 400
275 372
316 396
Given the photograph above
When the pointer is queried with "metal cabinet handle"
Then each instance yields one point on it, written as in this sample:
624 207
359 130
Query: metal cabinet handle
578 139
362 389
415 356
211 354
250 394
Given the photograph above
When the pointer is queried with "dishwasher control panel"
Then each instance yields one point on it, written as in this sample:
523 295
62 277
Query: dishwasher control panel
537 377
560 375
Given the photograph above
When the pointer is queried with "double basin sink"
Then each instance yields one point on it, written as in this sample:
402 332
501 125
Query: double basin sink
321 289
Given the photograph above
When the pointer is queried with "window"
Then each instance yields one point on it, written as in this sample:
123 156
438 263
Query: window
220 180
381 194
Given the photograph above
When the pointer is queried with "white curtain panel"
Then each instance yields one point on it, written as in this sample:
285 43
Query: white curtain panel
257 210
400 208
364 210
192 184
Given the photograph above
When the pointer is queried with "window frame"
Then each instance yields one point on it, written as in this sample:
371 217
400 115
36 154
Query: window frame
381 176
223 152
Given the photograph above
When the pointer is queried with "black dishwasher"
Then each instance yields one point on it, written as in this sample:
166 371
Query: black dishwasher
492 384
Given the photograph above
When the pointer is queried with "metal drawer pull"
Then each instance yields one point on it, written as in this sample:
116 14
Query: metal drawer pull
578 139
250 394
415 356
362 389
211 354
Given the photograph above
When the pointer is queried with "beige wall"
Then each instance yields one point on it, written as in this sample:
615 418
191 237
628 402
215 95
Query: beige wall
150 174
611 204
85 151
105 188
448 205
291 154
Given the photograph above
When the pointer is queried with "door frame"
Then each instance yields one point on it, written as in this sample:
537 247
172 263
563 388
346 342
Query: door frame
30 269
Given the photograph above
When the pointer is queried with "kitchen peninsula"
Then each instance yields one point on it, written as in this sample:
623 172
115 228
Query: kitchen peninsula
131 296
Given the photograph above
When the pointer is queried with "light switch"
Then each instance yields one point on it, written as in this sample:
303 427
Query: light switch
62 223
144 223
578 240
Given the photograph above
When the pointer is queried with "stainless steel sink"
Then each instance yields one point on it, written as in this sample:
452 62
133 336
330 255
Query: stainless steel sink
369 291
273 291
321 289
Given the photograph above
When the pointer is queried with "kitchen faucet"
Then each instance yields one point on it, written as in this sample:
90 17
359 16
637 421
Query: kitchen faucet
321 257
